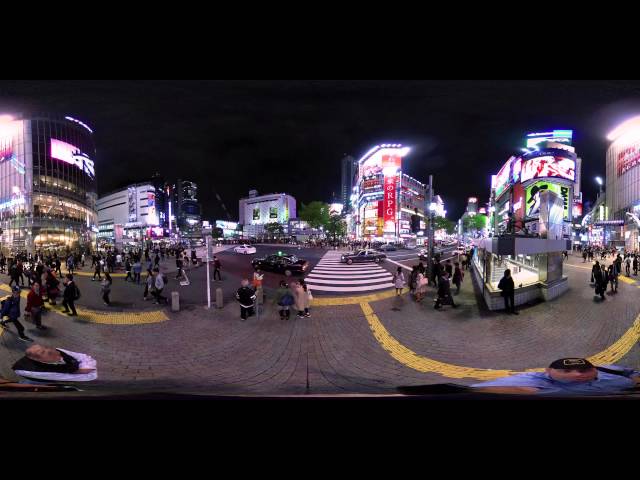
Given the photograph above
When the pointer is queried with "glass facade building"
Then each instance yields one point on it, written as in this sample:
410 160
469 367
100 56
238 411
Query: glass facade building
47 183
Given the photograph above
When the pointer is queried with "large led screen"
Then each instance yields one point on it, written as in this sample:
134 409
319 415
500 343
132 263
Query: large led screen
533 197
502 178
548 166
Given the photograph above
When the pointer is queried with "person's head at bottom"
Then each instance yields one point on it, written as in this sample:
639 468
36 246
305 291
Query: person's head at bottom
507 273
43 354
244 283
572 370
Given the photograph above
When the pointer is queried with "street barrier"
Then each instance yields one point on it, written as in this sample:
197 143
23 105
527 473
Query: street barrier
175 302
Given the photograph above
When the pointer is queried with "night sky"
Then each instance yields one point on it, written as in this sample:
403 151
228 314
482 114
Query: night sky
289 136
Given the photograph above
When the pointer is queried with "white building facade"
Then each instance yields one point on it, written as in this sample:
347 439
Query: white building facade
256 211
128 215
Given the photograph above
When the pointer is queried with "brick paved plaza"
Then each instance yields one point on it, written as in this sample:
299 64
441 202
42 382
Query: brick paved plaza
366 346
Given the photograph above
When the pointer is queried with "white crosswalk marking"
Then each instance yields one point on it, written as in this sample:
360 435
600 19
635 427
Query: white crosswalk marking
331 275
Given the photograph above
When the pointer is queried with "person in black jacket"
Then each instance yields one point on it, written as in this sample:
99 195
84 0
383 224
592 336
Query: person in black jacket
444 292
69 296
508 292
246 297
11 309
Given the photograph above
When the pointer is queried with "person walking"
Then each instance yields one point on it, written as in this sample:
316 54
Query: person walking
70 264
57 264
284 299
398 280
594 270
106 289
11 309
413 280
216 268
137 270
458 277
444 292
421 288
179 265
96 271
156 260
508 292
448 268
307 297
34 306
127 268
605 276
599 279
69 296
628 266
52 287
13 274
299 295
584 256
246 298
148 285
158 286
635 265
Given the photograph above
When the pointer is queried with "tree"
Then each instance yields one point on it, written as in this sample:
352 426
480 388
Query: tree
474 223
336 227
274 228
441 223
316 214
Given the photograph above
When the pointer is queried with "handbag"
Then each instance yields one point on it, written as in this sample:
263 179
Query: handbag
309 296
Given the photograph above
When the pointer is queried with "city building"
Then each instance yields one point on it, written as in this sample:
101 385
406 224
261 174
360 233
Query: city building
189 212
622 199
128 216
162 199
348 175
384 198
47 183
255 211
515 191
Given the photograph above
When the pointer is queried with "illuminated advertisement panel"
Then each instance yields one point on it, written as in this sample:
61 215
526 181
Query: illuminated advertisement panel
533 197
548 166
70 154
502 178
518 205
577 210
390 204
560 136
628 158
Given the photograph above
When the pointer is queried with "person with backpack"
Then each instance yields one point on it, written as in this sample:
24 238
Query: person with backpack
11 309
70 295
284 300
398 280
106 288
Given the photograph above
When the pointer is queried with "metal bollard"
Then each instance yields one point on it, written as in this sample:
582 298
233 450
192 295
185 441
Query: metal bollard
175 302
219 298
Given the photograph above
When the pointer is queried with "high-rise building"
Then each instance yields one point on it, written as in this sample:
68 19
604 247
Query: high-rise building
189 214
162 200
47 183
348 175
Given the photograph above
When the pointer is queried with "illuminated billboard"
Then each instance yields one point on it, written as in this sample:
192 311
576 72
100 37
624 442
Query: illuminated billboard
70 154
533 202
382 159
390 205
559 136
502 178
548 166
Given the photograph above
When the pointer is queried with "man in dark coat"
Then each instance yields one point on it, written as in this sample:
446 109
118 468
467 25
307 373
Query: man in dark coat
11 309
444 292
508 292
70 296
246 297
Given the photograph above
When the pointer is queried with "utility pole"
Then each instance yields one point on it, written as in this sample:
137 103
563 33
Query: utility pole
430 231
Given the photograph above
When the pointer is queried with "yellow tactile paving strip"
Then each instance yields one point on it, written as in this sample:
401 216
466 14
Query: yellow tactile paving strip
107 318
426 365
90 274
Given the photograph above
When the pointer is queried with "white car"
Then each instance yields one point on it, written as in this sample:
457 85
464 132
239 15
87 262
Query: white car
245 249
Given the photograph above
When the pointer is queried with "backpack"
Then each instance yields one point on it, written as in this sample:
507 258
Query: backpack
287 300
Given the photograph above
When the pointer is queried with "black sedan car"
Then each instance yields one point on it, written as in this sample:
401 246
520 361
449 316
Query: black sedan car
287 264
387 247
363 256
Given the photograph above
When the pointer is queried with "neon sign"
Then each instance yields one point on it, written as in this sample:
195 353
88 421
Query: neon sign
72 155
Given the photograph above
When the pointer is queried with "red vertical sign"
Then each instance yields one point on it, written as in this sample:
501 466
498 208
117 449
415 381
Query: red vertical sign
390 204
